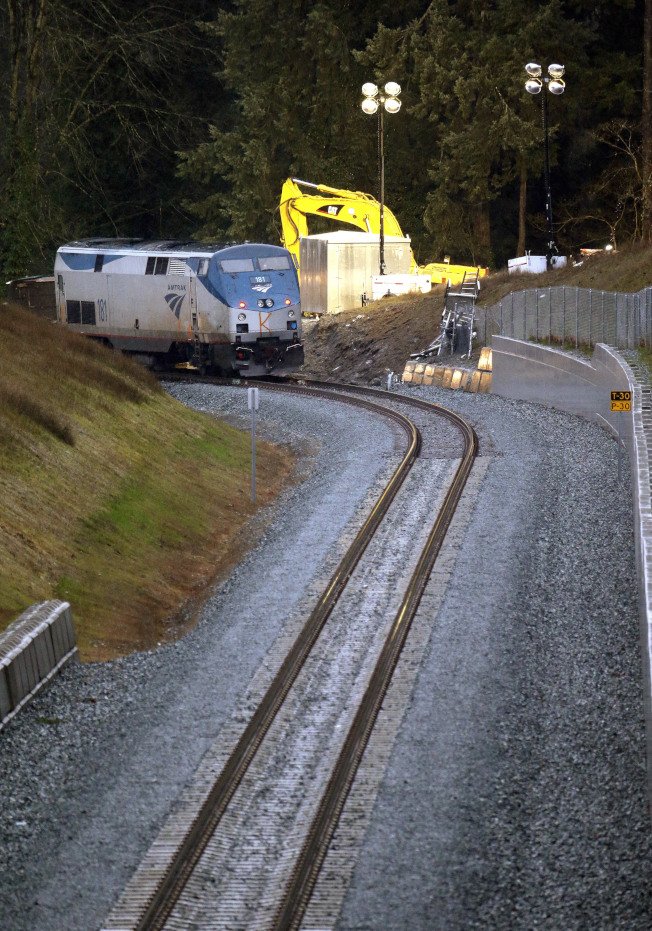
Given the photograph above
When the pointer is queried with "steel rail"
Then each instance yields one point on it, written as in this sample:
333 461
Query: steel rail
160 904
310 860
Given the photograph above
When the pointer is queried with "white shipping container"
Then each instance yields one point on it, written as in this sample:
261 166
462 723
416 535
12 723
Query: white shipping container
534 264
336 269
383 285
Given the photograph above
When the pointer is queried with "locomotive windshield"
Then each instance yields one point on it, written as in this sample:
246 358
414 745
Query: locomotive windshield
273 263
231 266
263 263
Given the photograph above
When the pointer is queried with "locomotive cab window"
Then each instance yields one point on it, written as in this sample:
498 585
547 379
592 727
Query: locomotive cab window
156 265
202 268
274 263
233 266
99 262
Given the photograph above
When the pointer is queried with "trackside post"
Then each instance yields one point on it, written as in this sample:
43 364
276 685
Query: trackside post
252 401
620 401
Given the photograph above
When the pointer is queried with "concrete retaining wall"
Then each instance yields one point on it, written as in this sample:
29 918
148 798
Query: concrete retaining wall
529 372
32 650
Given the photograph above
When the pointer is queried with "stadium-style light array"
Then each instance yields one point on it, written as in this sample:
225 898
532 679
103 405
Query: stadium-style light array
557 86
377 101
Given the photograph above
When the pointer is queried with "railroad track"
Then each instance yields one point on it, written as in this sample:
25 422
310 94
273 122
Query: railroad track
158 896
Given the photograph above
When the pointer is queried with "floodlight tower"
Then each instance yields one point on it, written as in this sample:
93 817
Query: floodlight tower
557 87
376 101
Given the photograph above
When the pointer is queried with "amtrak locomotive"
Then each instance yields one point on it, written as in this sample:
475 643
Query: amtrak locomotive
227 308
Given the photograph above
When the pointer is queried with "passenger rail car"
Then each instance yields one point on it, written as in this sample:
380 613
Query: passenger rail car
227 308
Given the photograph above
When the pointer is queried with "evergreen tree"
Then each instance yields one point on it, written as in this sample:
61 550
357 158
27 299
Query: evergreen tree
294 111
466 61
98 101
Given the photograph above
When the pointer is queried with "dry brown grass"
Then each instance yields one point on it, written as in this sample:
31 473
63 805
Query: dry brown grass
628 270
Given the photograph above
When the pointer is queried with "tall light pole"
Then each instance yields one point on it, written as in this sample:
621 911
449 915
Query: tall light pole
556 86
376 101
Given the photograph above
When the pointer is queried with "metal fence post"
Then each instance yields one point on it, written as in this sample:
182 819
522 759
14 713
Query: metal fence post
563 297
577 318
603 340
590 314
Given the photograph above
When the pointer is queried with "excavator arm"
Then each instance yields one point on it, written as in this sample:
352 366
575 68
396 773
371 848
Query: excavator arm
355 209
350 207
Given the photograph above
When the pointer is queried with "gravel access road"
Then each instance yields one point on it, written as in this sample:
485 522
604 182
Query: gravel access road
514 795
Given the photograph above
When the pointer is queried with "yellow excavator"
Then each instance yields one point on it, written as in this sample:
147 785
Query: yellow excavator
356 209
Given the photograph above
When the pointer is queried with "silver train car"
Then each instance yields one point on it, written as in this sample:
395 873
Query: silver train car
229 309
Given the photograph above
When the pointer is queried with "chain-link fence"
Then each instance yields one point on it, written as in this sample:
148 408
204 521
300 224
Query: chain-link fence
570 316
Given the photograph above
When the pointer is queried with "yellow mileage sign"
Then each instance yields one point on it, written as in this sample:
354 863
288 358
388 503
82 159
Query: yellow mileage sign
621 400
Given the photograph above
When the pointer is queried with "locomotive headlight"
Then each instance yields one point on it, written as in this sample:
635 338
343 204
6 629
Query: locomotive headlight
269 302
290 313
242 304
242 316
287 301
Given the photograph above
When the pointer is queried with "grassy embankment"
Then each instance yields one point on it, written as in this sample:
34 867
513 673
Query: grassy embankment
113 496
629 270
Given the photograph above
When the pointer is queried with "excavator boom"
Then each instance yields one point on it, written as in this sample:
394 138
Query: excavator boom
354 208
350 207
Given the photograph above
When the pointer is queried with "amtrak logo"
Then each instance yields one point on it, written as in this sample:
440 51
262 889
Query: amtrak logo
174 302
263 288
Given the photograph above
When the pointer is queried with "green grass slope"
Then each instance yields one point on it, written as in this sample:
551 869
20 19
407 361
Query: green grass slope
113 496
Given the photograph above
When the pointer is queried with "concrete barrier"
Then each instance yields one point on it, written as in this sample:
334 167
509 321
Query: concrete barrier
529 372
32 650
429 373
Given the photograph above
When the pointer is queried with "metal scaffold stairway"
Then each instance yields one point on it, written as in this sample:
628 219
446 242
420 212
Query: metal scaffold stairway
456 334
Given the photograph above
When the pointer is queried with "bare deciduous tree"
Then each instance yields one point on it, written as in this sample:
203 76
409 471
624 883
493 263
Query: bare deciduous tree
100 98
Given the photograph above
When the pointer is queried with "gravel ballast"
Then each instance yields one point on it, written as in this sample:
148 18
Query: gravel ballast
515 794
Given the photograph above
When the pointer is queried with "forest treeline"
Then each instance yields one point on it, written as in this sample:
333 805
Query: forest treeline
140 118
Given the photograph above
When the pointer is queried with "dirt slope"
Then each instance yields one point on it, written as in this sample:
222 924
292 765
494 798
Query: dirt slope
363 346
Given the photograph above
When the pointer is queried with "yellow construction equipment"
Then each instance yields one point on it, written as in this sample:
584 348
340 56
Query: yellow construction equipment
355 209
